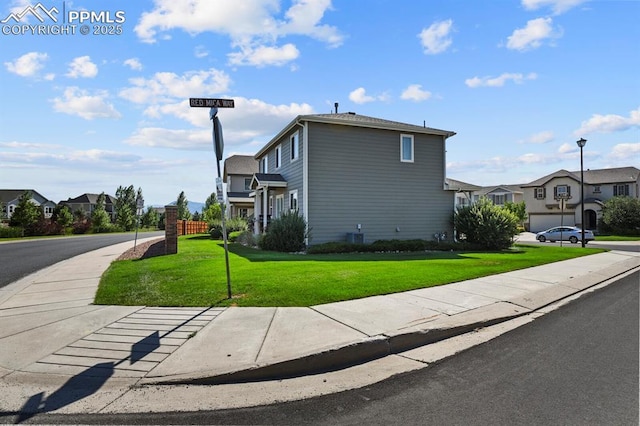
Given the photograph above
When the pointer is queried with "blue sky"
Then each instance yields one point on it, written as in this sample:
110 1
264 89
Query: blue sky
518 81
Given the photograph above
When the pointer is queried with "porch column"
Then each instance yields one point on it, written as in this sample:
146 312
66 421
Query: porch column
265 207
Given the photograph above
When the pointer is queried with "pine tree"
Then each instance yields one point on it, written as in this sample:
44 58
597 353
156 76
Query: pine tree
183 207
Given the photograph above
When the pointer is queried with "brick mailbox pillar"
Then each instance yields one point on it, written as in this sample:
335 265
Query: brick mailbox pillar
170 229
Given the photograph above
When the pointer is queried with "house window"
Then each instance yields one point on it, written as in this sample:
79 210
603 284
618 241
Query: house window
540 193
247 184
596 189
279 205
562 191
294 147
406 148
293 200
243 212
498 199
264 164
278 156
619 190
271 205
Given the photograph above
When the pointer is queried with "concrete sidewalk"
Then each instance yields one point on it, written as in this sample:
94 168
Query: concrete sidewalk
53 338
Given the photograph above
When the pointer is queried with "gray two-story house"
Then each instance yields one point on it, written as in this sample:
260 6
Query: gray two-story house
238 173
555 198
355 178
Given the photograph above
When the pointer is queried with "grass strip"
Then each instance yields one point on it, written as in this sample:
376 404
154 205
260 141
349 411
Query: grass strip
196 275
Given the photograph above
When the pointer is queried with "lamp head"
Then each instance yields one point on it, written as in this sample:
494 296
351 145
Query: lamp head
582 142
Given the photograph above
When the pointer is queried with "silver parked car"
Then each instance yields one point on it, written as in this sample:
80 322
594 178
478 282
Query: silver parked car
564 233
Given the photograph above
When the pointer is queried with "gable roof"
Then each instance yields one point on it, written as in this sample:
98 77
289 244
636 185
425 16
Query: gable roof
458 185
90 199
7 195
240 165
268 179
505 188
592 177
355 120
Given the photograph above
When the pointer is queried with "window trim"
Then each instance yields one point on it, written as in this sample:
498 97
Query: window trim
293 196
294 146
402 152
540 193
278 156
265 164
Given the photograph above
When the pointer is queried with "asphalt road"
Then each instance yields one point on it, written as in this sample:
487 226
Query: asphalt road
21 258
577 365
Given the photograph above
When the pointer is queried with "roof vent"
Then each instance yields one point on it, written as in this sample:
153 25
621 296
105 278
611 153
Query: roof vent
351 113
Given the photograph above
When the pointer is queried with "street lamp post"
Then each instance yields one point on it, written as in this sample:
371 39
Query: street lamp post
581 143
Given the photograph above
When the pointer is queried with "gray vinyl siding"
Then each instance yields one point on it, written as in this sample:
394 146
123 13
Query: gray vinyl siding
291 171
356 177
237 183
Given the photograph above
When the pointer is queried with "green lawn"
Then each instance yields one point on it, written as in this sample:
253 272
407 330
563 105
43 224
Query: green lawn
196 275
616 238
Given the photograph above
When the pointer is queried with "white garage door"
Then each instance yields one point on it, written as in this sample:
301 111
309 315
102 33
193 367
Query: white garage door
542 222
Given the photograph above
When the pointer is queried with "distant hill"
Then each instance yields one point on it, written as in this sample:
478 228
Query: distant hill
193 206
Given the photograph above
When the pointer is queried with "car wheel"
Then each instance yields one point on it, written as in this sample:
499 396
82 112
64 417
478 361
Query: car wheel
574 240
542 239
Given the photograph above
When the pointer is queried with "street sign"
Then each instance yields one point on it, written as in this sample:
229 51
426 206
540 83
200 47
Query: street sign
219 192
218 141
211 103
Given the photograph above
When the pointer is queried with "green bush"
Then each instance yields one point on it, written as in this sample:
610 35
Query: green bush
236 224
246 238
621 215
285 234
390 246
489 226
10 232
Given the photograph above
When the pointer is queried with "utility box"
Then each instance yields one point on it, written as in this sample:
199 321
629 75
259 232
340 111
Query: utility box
355 237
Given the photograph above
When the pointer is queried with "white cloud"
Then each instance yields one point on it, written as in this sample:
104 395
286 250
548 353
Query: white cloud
359 96
541 137
168 86
200 51
500 80
28 64
133 63
532 36
79 102
625 151
415 93
609 123
254 28
82 67
261 56
567 148
557 6
435 39
252 121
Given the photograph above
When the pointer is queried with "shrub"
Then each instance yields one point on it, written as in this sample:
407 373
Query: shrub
621 215
489 226
236 224
285 234
10 232
246 238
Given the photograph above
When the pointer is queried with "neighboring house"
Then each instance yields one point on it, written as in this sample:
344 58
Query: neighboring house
238 173
546 209
500 194
464 192
87 203
355 178
9 199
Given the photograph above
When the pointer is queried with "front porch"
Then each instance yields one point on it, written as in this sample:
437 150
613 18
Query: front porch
269 199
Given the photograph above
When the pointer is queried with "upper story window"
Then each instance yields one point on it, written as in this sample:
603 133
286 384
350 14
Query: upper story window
247 184
621 189
541 193
562 191
278 156
294 146
264 164
406 148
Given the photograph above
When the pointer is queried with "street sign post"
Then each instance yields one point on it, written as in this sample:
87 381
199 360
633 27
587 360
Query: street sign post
218 146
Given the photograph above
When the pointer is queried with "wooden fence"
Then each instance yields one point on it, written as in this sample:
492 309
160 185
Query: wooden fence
189 227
